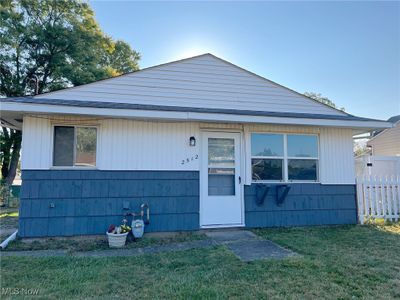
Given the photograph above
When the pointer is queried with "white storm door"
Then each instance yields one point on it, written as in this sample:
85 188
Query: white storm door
221 193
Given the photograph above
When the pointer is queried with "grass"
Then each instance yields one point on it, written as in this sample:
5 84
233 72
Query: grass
345 262
6 210
11 215
8 221
99 243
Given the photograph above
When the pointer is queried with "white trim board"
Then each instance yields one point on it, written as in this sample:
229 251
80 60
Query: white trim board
26 108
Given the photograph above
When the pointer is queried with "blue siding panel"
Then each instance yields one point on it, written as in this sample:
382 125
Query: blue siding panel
68 226
24 208
305 204
56 227
81 226
80 202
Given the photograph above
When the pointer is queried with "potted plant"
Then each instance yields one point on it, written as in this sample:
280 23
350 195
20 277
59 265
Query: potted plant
117 235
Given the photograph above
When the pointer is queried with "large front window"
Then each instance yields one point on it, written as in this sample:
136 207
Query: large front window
284 157
74 146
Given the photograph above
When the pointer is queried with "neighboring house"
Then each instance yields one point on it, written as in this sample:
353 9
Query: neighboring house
384 157
205 143
387 142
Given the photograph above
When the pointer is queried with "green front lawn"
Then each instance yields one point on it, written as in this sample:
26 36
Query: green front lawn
336 262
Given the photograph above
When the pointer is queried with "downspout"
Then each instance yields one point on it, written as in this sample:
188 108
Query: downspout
12 237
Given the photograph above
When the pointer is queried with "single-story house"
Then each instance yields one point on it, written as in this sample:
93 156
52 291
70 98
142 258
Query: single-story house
383 159
387 142
203 142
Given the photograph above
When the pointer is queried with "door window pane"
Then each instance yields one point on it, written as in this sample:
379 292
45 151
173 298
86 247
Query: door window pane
221 152
267 169
302 169
302 145
63 153
266 144
86 146
221 182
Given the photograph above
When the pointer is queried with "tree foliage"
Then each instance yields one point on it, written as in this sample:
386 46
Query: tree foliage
54 44
360 147
318 97
58 42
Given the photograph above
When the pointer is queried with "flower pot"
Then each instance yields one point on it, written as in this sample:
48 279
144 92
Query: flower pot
117 240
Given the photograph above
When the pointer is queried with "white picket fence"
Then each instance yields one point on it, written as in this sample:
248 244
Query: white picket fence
378 197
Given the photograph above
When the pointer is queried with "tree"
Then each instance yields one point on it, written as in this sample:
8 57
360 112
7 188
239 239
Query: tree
50 45
360 147
324 100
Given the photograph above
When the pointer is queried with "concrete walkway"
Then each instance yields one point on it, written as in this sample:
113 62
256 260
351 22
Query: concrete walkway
244 244
249 247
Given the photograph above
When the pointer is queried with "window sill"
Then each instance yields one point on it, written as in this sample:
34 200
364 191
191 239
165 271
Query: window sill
284 182
73 168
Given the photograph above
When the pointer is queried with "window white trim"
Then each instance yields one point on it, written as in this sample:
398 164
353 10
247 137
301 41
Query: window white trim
73 167
285 158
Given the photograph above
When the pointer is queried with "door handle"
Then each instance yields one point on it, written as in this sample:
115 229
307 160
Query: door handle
240 180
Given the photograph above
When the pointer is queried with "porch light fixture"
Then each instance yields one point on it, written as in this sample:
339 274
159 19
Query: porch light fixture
192 141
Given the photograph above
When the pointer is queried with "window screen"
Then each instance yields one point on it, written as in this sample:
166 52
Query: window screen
85 146
74 146
63 146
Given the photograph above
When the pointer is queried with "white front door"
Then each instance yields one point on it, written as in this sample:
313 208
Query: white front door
221 202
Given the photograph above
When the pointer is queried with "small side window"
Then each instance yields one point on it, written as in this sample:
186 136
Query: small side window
74 146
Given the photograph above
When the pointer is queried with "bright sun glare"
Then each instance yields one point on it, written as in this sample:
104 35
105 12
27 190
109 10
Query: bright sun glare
194 48
191 52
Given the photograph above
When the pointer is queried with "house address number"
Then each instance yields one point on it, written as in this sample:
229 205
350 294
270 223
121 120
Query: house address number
189 159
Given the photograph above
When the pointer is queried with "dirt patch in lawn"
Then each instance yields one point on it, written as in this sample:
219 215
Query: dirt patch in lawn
91 243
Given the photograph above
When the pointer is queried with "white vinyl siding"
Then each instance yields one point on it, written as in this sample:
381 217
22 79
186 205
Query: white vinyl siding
36 146
138 145
201 82
336 156
144 145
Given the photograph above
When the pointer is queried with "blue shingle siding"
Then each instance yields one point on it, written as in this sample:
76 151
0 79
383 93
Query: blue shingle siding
305 204
87 201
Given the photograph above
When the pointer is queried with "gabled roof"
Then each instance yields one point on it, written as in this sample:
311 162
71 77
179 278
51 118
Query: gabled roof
203 81
203 84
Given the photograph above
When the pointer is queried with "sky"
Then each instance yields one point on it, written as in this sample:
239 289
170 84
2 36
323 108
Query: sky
347 51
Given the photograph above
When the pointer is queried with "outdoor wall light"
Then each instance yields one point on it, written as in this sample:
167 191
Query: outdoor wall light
192 141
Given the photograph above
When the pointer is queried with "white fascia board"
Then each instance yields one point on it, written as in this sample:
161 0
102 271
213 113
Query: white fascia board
25 108
287 120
